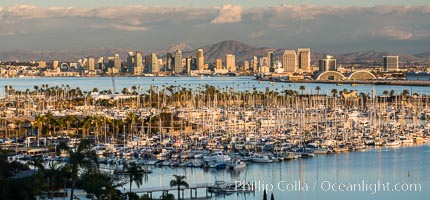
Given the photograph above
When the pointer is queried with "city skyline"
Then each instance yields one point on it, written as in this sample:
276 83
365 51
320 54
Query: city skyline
329 26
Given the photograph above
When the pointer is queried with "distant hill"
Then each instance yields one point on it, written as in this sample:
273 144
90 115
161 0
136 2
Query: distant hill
212 52
220 49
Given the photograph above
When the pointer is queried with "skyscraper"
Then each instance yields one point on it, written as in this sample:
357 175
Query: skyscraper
91 64
327 64
151 61
169 61
230 62
218 64
304 55
270 62
289 60
391 63
55 64
117 63
130 62
179 68
254 64
200 60
138 63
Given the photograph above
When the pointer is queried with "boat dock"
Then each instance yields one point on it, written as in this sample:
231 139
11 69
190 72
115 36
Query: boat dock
165 190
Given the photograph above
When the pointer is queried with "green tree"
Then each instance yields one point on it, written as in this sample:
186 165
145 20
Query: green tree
302 88
179 181
317 88
334 92
81 157
135 174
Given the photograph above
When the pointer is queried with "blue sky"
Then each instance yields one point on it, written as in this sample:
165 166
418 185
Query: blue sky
323 25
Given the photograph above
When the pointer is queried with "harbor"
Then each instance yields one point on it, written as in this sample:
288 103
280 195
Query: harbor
213 134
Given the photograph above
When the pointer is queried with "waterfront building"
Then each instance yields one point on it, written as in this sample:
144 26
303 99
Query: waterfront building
218 64
200 60
304 55
254 64
391 63
130 62
289 60
245 65
151 63
169 62
270 62
230 62
138 63
188 63
55 64
179 67
91 64
117 63
327 64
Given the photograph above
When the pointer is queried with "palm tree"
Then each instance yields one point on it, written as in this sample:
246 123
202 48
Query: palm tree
179 181
385 93
135 174
392 93
318 90
334 92
81 157
302 88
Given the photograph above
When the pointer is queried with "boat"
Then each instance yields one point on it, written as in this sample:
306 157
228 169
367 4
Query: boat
394 143
237 165
217 155
261 159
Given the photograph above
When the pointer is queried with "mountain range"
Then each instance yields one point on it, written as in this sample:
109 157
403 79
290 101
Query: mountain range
211 53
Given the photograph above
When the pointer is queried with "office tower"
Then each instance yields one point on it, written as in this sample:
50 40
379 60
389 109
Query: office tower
91 64
230 62
188 63
151 63
130 62
327 64
391 63
169 62
200 60
254 64
289 60
55 64
245 65
270 58
178 62
100 63
117 63
304 55
218 64
138 63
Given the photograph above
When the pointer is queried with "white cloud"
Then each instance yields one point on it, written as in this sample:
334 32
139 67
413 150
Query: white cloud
397 34
123 27
255 35
229 14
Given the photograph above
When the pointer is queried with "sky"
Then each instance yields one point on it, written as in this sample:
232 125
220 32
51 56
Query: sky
332 26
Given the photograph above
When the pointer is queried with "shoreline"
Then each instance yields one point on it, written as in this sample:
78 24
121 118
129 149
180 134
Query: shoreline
373 82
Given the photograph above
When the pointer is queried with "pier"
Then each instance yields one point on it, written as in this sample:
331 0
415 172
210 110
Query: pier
165 190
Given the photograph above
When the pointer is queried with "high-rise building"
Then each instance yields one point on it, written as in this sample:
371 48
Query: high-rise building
130 62
138 63
327 64
304 55
230 62
91 64
179 68
55 64
254 64
200 58
245 65
169 62
289 60
269 56
218 64
151 62
117 63
391 63
188 63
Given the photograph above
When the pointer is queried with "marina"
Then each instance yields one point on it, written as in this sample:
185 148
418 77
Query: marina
213 132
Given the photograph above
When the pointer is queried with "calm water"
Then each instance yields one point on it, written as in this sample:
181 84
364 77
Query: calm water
393 165
238 83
